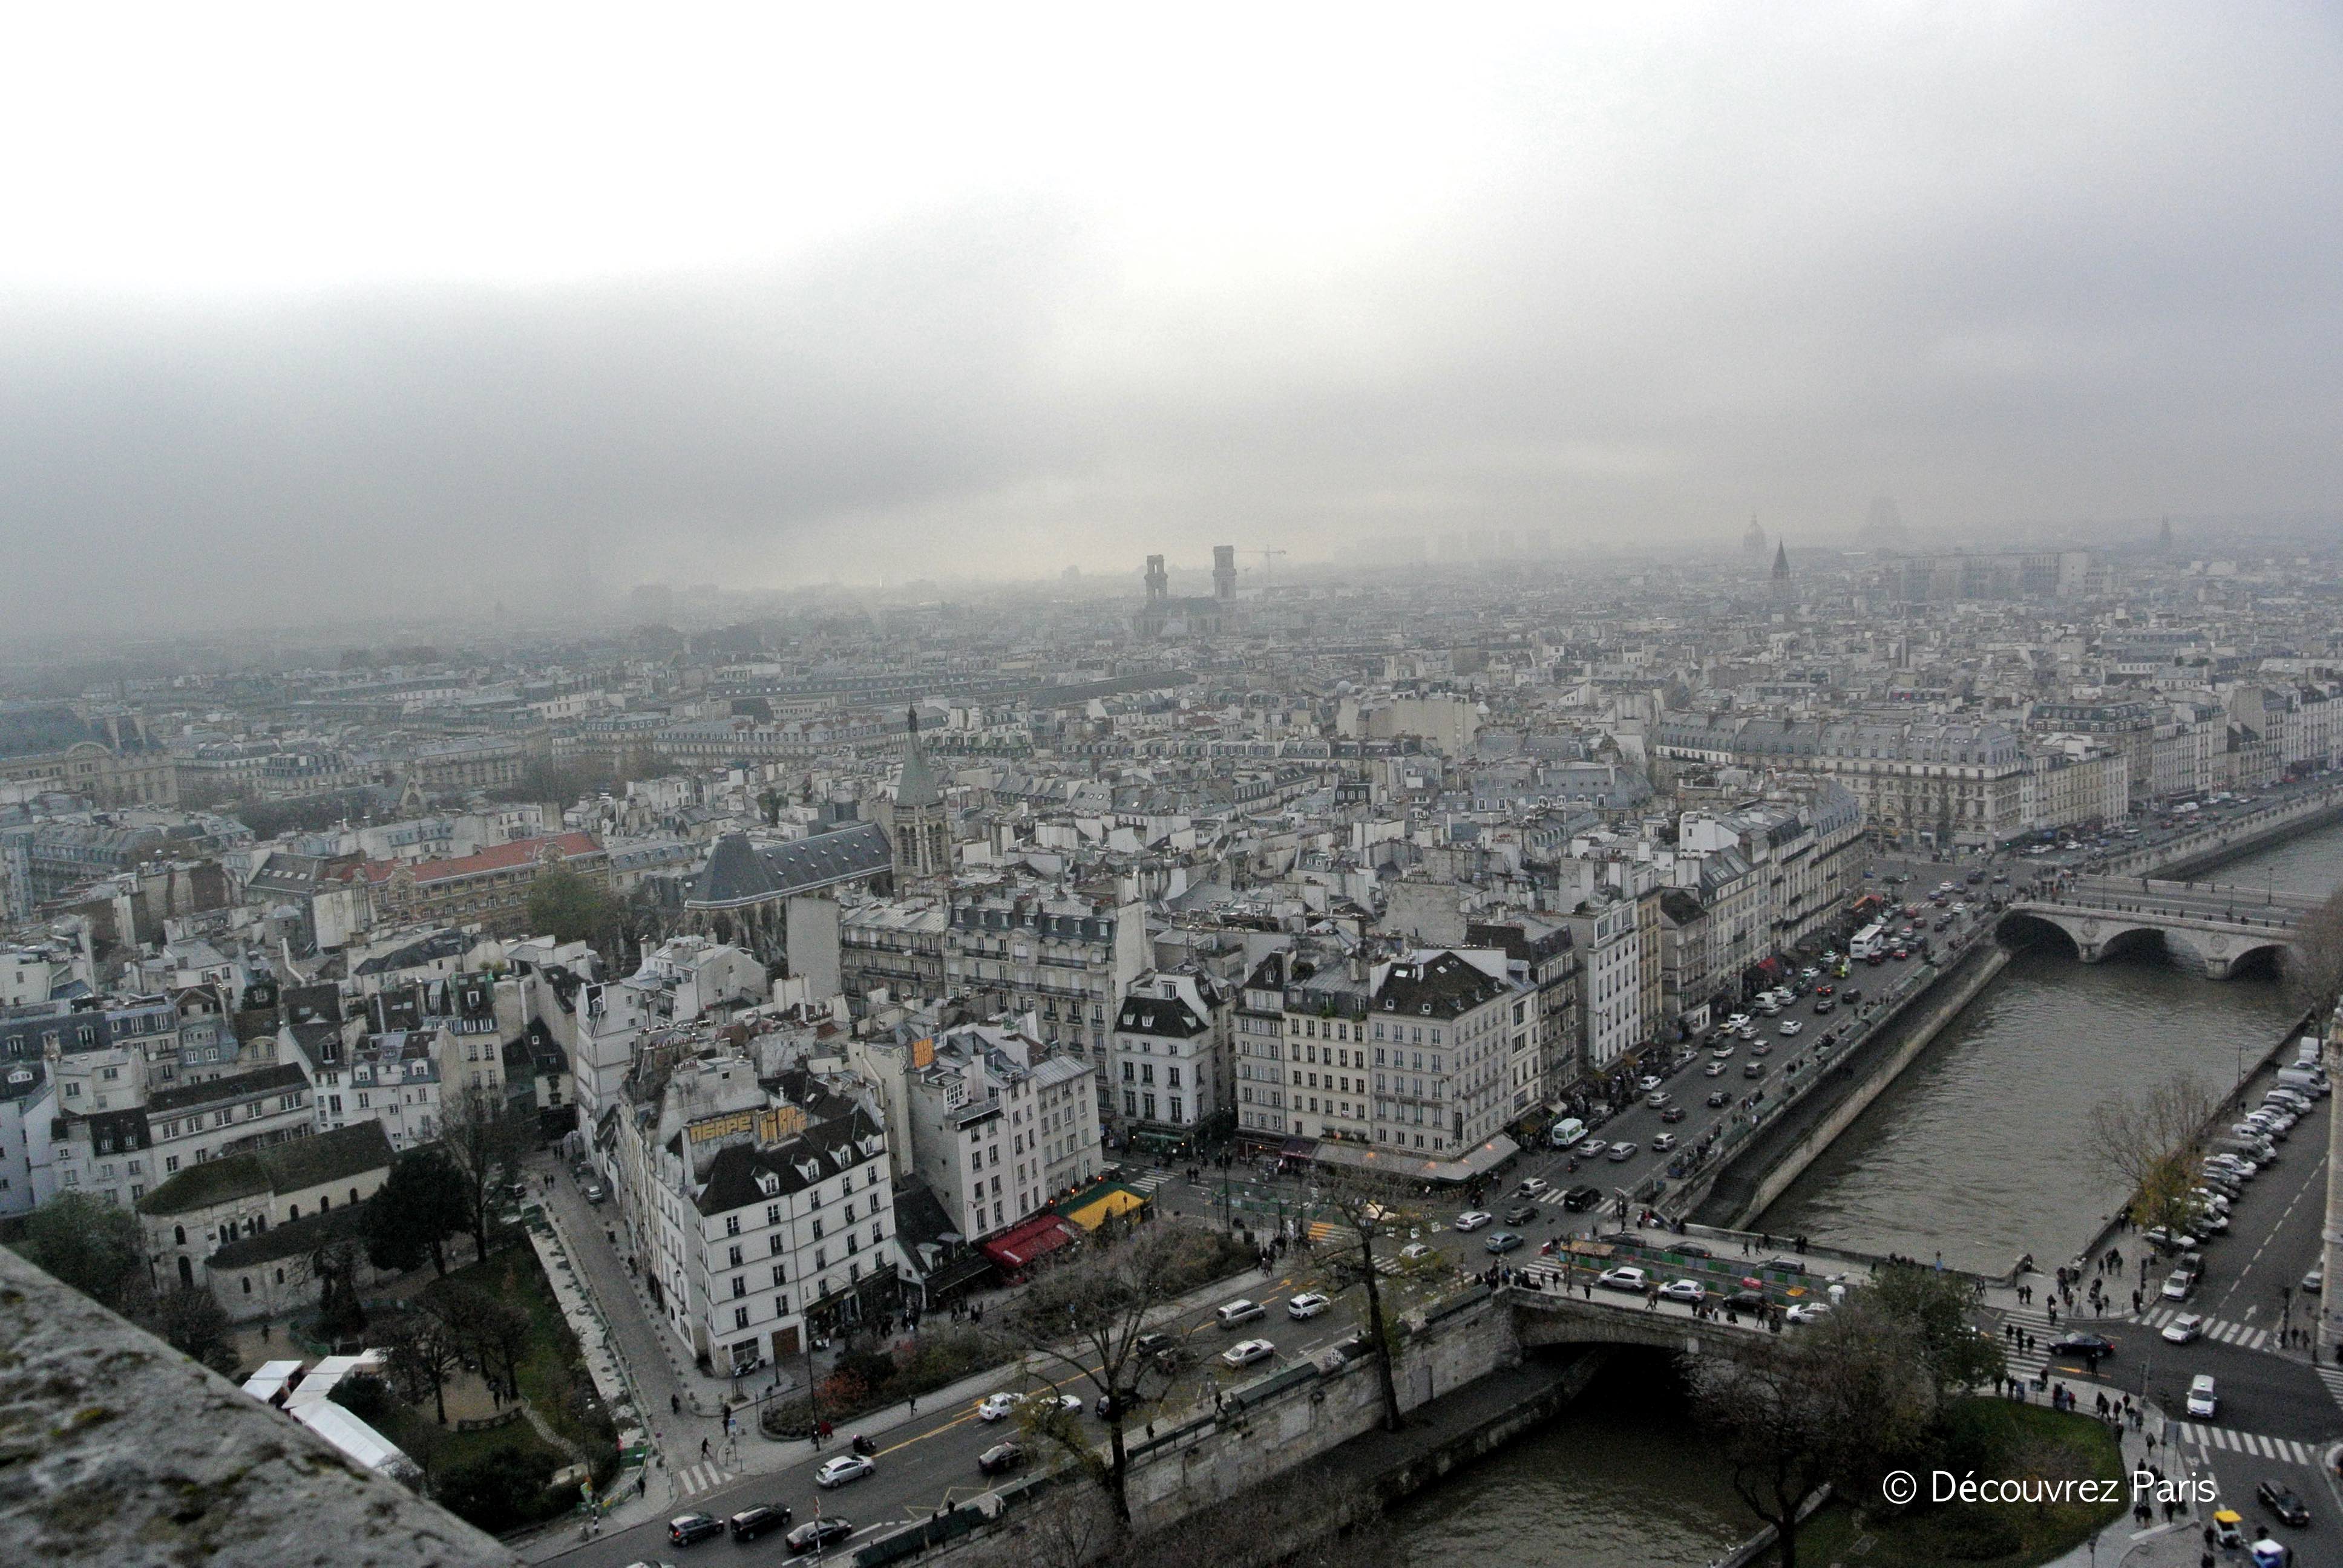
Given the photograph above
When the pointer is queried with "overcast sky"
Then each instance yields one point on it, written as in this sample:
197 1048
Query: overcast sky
336 303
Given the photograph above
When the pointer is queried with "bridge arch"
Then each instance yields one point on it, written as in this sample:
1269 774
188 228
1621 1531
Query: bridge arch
2019 929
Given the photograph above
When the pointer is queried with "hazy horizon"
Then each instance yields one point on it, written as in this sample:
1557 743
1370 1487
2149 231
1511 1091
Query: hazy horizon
321 320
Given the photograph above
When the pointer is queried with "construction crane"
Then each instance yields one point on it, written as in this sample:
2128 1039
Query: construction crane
1269 559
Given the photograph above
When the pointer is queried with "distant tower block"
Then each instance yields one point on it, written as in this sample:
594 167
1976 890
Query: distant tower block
1159 581
1753 543
2164 536
1224 573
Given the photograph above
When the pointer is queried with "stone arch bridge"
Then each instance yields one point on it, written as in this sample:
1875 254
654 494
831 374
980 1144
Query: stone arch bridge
2209 927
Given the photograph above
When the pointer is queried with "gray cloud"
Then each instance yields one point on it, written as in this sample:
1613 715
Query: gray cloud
2068 269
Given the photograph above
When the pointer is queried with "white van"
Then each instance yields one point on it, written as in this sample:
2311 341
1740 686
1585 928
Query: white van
2308 1080
1570 1130
1239 1312
2305 1054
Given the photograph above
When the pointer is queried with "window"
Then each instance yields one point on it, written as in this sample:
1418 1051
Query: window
732 1226
772 1213
739 1317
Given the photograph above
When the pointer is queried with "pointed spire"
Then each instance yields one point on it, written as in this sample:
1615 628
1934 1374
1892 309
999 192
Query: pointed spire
1781 561
917 788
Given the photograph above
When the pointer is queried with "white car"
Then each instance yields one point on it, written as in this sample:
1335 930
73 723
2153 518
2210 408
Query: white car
1532 1187
1664 1142
2186 1329
2202 1400
1691 1291
1625 1277
1790 1026
1591 1148
1714 1069
1066 1402
998 1406
1722 1050
846 1467
1310 1304
1472 1220
1413 1251
1738 1021
1808 1312
1246 1352
2178 1284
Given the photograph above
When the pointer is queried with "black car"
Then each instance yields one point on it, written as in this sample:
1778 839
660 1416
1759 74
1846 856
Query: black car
751 1523
687 1529
1718 1097
1691 1249
1745 1301
1153 1344
1673 1113
2282 1502
1521 1214
820 1532
1784 1265
1002 1458
2083 1344
1852 993
1108 1406
1578 1200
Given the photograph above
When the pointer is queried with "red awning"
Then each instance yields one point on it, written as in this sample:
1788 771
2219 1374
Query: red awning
1037 1238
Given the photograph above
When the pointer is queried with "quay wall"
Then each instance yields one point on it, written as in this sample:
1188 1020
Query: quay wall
1746 1185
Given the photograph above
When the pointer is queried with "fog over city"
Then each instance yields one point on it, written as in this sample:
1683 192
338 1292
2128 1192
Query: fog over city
299 311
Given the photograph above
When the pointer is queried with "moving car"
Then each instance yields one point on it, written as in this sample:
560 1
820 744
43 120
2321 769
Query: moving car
2082 1344
1625 1277
1743 1302
1523 1213
845 1468
1153 1344
1413 1251
1240 1311
1472 1220
1066 1402
1718 1097
2202 1400
1593 1147
1244 1352
1657 1098
1532 1188
2281 1501
1689 1291
1578 1200
2178 1283
1808 1312
1714 1069
751 1523
1672 1115
687 1529
1789 1027
1621 1154
2315 1282
2186 1329
996 1407
1001 1458
1504 1241
1664 1142
1310 1304
818 1533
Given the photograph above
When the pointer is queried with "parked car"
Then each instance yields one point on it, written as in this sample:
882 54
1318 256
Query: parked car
1153 1344
689 1529
1413 1251
1245 1353
1310 1304
1808 1312
845 1468
2315 1282
751 1523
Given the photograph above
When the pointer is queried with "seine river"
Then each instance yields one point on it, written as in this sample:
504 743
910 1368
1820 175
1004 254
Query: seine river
1974 1152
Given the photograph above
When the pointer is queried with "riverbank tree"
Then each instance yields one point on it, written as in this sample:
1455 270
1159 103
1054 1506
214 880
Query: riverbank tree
2151 1144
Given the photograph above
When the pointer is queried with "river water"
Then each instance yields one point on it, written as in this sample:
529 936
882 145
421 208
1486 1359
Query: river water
1974 1153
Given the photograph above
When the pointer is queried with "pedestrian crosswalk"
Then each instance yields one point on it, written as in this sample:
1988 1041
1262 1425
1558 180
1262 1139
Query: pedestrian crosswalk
2245 1336
2285 1450
691 1480
1152 1181
2333 1378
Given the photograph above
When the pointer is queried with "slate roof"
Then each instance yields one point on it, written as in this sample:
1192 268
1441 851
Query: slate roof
738 872
1159 1016
284 1167
274 1080
820 1152
1444 985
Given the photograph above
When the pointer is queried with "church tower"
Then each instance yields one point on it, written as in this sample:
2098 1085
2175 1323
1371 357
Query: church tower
1753 543
1781 572
922 834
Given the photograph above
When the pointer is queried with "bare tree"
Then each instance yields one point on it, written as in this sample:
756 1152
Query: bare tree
1367 1215
2151 1144
1830 1402
1085 1319
484 1140
424 1353
2314 962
